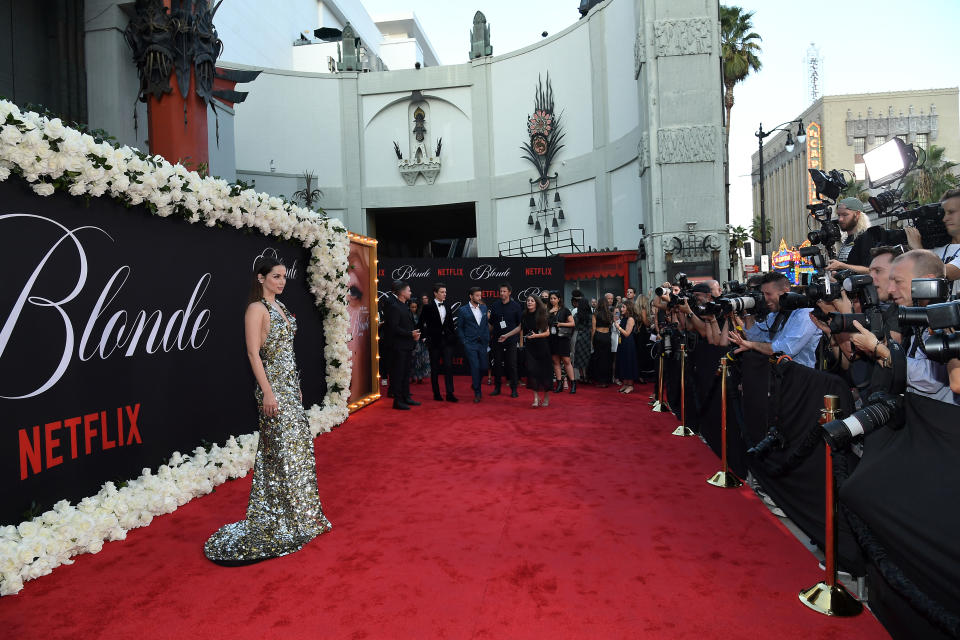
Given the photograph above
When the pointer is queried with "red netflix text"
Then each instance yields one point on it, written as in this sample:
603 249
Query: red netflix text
539 271
44 447
449 272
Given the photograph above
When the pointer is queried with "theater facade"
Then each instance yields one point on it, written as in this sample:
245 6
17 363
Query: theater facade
603 138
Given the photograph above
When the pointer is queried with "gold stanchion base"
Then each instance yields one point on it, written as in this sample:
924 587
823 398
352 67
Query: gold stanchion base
831 601
725 479
683 431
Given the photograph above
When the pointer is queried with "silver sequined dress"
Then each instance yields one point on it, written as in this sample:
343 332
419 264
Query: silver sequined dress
284 511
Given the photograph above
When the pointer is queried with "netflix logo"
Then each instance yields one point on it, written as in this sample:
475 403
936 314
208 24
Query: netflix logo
450 272
46 447
538 271
381 273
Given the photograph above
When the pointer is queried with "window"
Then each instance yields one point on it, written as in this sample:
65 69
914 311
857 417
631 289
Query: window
859 146
903 137
921 141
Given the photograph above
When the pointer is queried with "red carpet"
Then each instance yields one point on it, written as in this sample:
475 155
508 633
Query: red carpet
584 520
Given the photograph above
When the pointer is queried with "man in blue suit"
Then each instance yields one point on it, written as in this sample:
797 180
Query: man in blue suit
474 333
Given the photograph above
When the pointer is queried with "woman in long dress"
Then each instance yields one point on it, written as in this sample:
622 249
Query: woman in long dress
284 512
534 332
627 369
420 364
583 345
601 362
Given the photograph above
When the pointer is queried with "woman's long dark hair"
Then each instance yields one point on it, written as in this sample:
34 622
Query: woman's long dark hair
603 313
539 315
263 266
584 310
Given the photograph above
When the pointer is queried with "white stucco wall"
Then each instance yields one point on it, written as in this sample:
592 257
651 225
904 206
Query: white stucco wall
253 36
623 105
295 121
514 80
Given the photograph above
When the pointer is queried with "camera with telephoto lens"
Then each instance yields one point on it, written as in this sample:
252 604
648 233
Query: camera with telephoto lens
932 291
927 219
884 407
735 286
748 302
881 409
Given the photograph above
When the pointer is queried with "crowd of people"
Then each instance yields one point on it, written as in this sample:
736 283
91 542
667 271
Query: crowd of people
538 342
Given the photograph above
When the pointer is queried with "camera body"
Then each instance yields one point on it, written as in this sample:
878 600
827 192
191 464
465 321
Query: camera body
927 219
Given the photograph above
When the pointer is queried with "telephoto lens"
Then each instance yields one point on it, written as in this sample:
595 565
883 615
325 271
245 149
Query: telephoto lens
883 409
912 316
843 322
790 301
855 282
942 347
661 291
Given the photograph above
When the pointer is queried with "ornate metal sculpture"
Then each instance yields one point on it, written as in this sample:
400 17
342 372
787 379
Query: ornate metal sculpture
545 131
480 37
418 124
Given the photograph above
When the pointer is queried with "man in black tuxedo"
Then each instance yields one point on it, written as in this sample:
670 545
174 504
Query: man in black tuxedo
403 339
436 323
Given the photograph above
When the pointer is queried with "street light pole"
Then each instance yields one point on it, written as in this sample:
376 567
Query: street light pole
761 134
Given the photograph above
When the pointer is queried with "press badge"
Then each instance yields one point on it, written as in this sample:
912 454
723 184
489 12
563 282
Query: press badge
553 330
503 324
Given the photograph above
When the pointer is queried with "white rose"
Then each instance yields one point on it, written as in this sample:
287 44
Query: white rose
10 584
43 189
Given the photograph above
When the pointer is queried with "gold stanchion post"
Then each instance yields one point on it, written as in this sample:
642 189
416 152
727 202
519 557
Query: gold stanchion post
724 478
683 430
660 405
830 597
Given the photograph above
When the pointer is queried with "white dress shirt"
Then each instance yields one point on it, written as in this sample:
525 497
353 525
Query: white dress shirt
476 312
442 309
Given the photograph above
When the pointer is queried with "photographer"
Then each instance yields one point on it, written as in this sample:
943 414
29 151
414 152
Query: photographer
859 238
924 376
791 333
949 253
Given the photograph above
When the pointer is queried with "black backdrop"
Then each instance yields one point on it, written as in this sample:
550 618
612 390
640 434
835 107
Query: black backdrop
525 275
196 388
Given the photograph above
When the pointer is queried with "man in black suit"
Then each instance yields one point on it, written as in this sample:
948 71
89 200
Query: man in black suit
403 338
436 323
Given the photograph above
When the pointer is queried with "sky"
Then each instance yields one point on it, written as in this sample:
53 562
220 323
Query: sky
881 45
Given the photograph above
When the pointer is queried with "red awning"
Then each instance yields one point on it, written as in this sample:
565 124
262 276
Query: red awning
588 266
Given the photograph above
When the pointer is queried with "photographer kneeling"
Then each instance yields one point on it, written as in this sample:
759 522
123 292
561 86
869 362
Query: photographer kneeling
792 333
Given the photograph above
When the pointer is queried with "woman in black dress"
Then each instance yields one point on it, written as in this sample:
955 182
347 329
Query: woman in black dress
601 362
582 346
534 332
561 328
627 369
645 362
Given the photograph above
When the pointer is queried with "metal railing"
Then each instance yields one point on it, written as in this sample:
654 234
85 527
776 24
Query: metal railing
565 241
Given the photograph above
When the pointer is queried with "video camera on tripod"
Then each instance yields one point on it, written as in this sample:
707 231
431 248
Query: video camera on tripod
829 186
891 162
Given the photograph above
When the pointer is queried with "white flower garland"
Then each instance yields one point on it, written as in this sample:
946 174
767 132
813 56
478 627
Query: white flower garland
52 156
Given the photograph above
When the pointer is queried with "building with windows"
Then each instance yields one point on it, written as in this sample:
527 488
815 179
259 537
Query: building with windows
840 129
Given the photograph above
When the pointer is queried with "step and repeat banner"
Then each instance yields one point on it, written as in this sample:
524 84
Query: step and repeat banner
525 276
122 341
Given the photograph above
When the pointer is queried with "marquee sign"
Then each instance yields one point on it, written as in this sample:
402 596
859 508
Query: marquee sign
814 158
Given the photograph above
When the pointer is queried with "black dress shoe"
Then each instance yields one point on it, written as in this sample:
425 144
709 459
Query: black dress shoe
476 398
495 392
389 394
438 397
452 398
412 402
402 406
513 393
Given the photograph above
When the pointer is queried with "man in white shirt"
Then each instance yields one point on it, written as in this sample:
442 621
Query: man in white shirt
949 253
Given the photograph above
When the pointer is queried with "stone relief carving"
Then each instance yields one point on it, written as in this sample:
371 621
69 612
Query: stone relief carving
643 153
684 37
420 161
892 125
688 144
639 53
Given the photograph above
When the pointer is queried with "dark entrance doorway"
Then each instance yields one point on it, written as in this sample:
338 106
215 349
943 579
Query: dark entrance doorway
446 230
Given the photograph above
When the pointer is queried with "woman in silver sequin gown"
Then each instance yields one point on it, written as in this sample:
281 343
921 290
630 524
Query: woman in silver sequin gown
284 512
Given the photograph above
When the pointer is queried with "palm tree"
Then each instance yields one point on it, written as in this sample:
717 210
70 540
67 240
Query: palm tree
739 48
738 237
932 179
755 230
